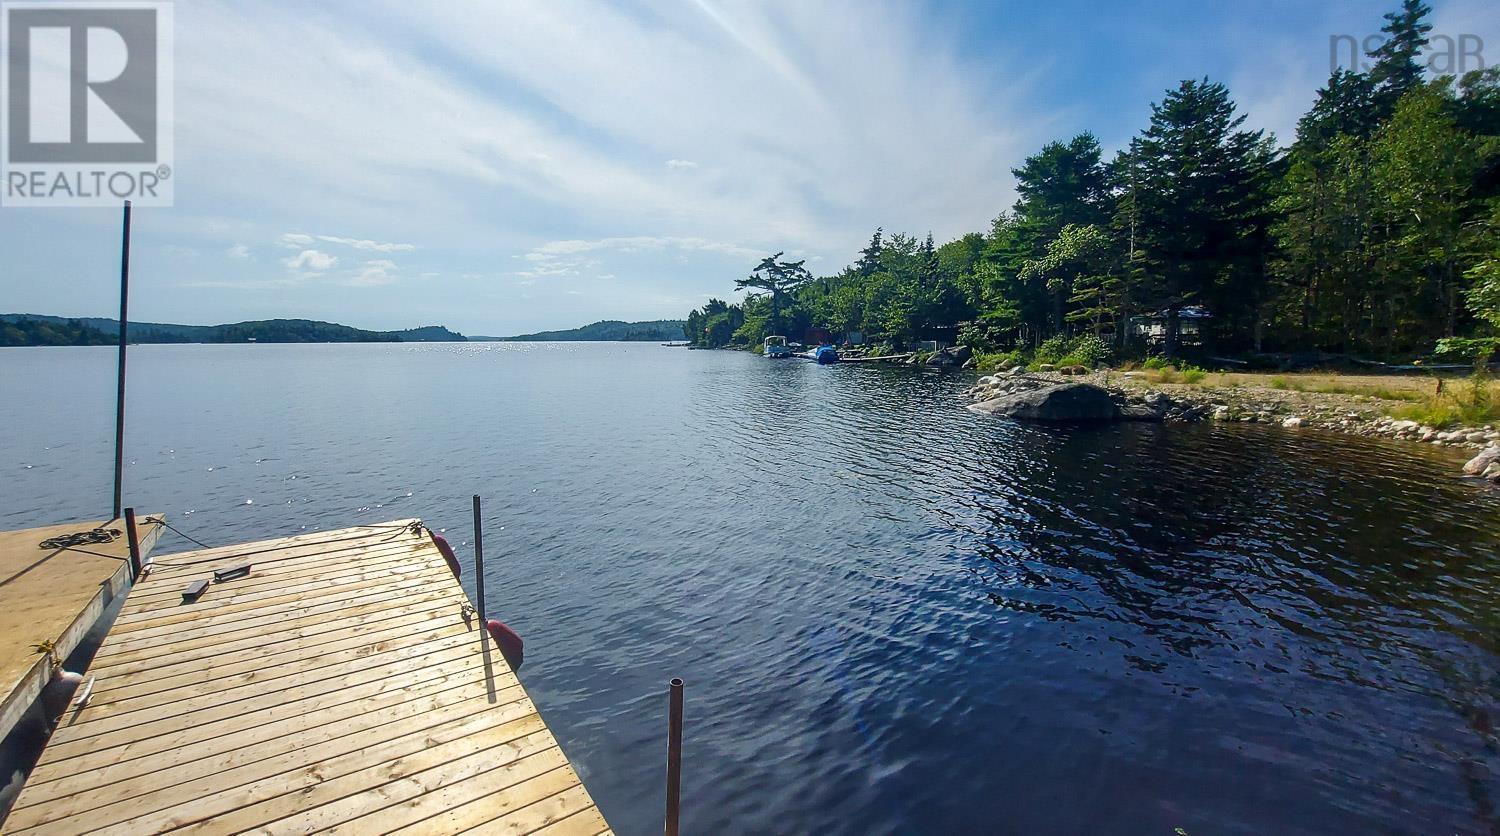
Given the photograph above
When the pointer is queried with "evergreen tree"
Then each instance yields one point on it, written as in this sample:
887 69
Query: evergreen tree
778 278
1398 67
1201 183
869 257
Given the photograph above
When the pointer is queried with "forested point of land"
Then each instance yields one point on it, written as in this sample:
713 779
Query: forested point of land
1375 233
613 330
35 329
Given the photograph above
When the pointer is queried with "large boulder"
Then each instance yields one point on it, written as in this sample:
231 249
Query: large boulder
1488 456
1069 402
951 357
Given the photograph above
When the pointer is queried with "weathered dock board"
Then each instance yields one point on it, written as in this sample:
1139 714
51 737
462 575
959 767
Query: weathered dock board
342 686
55 594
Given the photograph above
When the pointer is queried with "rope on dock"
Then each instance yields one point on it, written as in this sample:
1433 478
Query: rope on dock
184 536
92 537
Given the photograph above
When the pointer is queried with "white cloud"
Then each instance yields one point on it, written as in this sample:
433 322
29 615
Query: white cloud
705 77
299 240
500 128
639 243
365 244
238 251
311 262
374 273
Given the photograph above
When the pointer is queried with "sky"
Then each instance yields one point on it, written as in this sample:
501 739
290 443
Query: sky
507 167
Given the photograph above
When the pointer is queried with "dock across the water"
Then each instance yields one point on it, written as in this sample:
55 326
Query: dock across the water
343 685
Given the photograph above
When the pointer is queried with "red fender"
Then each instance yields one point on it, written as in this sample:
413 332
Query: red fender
442 543
510 644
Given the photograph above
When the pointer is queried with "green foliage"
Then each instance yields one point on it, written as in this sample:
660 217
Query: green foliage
1089 350
1472 403
1477 350
1162 372
1154 363
27 331
1052 350
999 360
1378 232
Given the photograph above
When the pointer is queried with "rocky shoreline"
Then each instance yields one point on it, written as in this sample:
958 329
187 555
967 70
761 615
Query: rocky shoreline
1105 395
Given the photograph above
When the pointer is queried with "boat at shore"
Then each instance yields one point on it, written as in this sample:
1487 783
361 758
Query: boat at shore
775 347
824 354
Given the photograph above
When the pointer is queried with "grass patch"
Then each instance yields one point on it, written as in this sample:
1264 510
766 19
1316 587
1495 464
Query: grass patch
1382 392
998 361
1161 372
1472 403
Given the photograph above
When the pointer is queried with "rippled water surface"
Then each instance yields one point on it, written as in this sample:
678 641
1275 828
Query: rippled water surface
893 615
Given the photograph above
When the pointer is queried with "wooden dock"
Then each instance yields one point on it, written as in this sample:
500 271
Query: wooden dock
343 686
53 593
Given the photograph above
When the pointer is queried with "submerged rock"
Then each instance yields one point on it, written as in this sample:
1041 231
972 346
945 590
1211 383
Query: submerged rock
1069 402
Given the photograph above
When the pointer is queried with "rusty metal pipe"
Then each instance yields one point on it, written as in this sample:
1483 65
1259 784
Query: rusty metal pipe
134 542
674 754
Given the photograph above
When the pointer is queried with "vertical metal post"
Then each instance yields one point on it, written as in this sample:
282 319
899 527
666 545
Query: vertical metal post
120 383
134 542
674 755
479 561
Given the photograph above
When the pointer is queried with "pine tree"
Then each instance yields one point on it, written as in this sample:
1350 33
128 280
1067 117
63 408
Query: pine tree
778 278
869 257
1398 68
1200 185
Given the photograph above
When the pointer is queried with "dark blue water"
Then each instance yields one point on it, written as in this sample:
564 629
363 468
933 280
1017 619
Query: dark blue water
893 615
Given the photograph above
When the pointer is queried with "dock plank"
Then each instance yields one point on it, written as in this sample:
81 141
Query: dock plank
340 687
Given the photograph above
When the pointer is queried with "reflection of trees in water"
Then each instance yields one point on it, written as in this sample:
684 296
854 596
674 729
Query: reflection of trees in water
1336 560
1167 536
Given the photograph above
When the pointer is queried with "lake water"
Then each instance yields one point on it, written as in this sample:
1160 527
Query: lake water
893 615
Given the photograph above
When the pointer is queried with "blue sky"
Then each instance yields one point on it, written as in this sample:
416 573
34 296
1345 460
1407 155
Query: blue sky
509 166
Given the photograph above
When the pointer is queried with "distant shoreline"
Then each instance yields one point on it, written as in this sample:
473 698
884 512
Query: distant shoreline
23 330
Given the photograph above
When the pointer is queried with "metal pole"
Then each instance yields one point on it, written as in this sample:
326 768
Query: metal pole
135 544
674 755
120 383
479 561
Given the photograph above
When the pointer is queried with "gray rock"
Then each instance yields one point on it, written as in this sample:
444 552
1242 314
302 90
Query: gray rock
1492 472
951 357
1140 412
1069 402
1294 421
1488 456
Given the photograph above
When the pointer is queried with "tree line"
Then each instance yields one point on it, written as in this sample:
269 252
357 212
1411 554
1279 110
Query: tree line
1375 233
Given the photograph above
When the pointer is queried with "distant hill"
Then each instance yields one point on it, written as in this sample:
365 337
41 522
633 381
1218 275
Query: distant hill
609 330
40 329
430 334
